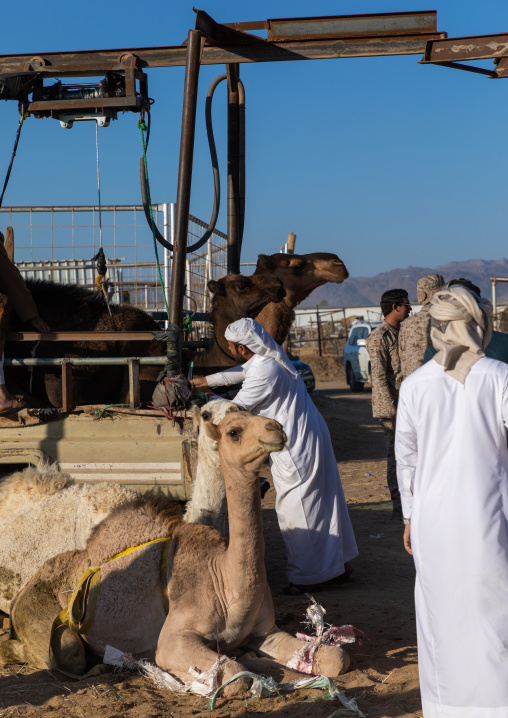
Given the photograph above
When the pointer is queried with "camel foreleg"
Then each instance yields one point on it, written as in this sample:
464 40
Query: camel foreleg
178 652
329 661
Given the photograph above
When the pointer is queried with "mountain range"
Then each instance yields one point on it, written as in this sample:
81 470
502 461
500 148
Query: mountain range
366 291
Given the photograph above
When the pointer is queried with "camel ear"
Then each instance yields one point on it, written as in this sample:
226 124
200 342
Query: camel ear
234 407
211 430
297 262
265 264
216 288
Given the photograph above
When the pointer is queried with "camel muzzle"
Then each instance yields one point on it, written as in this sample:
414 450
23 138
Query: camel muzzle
279 440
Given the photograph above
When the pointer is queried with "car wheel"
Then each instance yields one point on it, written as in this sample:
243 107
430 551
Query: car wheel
351 380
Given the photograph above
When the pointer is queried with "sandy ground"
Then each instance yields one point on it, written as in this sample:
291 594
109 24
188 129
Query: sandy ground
378 600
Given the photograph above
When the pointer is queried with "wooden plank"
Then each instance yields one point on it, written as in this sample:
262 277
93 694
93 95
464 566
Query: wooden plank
9 243
66 387
134 393
117 466
128 478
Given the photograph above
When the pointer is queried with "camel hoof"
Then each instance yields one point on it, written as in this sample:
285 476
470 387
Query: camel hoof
12 651
332 661
230 669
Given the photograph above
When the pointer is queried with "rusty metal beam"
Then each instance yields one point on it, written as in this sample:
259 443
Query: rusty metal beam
385 24
303 39
467 68
502 67
461 49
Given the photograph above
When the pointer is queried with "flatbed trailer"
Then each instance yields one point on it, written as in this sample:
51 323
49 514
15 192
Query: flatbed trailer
143 450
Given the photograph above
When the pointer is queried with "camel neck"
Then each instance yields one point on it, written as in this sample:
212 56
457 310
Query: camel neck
246 550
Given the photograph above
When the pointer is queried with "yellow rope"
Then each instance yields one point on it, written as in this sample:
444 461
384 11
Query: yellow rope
80 610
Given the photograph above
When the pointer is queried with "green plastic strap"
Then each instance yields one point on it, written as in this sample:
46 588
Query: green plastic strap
142 127
187 328
100 412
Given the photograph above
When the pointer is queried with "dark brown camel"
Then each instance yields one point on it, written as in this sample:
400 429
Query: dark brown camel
234 297
300 274
70 307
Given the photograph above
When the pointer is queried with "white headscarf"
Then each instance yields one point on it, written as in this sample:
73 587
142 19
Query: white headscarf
252 335
461 329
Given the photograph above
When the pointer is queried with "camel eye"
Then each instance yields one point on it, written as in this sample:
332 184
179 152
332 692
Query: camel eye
241 287
234 434
205 416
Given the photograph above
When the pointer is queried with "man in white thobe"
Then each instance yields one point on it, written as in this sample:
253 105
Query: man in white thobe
452 465
310 504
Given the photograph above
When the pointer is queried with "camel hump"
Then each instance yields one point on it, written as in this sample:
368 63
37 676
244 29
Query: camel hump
132 523
45 479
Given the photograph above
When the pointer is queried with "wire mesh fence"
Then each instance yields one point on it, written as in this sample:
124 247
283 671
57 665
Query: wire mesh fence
58 244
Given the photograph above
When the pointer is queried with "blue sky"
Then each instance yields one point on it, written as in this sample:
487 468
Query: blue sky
384 161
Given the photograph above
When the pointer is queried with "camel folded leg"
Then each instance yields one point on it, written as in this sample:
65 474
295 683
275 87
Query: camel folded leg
178 652
330 661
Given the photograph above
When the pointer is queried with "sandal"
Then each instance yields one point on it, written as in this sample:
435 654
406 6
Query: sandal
17 405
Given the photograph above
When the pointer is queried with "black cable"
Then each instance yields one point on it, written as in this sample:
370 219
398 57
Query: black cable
18 133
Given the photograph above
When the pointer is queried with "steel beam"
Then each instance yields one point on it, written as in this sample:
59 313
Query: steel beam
291 39
461 49
385 24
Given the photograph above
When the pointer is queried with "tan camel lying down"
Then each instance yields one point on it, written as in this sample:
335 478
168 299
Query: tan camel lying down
42 513
218 594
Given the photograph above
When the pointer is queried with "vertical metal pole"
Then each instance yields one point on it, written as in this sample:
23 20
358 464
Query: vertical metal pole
319 332
233 72
168 229
208 275
190 95
188 288
494 302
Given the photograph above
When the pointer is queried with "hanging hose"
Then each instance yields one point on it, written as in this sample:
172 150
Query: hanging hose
216 177
241 179
142 128
18 133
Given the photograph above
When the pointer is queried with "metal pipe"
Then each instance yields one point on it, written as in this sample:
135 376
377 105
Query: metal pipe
193 59
168 216
241 164
82 361
233 169
494 302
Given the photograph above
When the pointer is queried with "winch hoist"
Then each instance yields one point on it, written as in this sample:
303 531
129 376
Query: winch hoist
68 103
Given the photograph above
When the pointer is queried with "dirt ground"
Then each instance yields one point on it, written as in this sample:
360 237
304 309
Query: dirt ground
378 600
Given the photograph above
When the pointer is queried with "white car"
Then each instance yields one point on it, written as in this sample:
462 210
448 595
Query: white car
356 356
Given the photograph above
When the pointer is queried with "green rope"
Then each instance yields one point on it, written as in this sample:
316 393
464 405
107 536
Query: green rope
142 127
100 412
187 328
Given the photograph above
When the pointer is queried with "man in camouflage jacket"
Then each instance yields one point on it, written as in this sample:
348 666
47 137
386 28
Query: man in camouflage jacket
414 336
383 348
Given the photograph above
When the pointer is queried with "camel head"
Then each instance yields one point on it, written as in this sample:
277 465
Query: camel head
302 273
242 296
213 413
245 440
